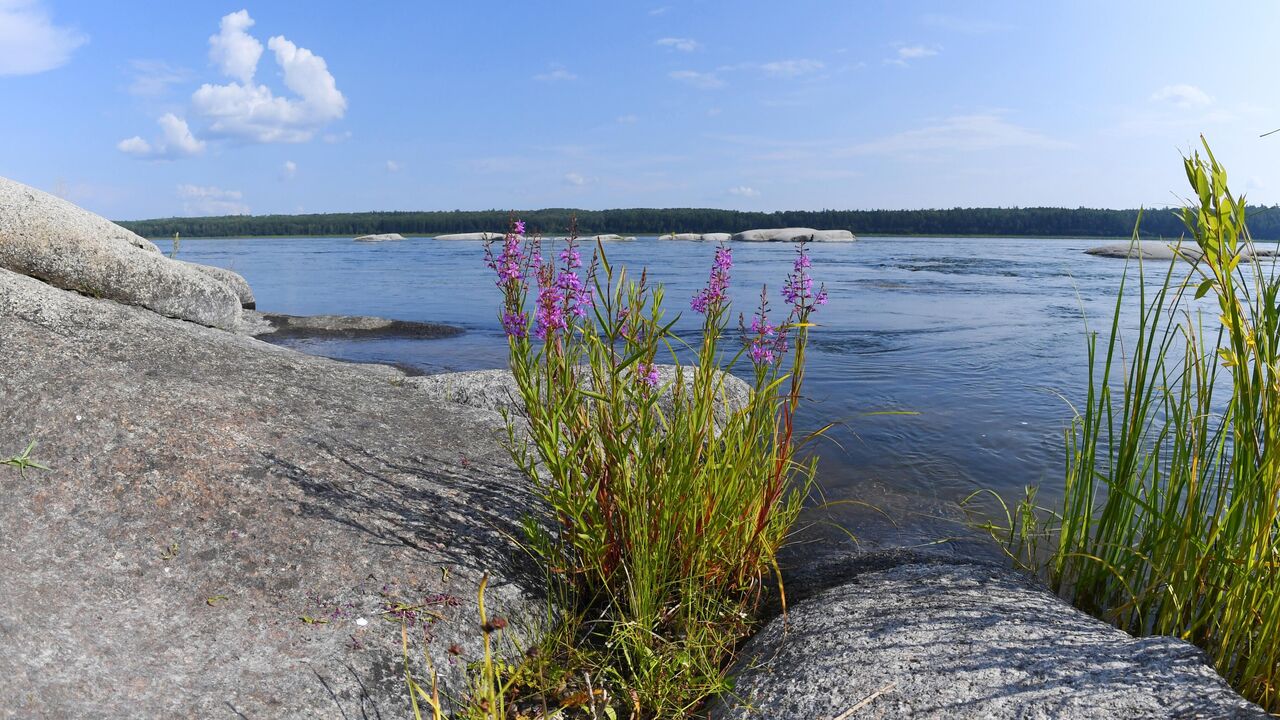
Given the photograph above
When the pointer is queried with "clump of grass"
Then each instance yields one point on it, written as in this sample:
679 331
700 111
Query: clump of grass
667 506
1170 522
23 460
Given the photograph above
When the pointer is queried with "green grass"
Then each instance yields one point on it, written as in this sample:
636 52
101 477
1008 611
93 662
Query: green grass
23 460
1170 522
665 506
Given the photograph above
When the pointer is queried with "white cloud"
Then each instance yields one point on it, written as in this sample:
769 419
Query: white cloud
557 73
209 200
627 119
744 191
907 53
681 44
29 41
289 170
659 10
1182 95
958 133
234 50
696 79
791 68
574 179
175 141
153 77
253 113
394 166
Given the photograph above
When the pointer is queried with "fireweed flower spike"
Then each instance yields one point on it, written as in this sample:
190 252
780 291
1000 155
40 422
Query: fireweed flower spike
511 265
798 289
711 297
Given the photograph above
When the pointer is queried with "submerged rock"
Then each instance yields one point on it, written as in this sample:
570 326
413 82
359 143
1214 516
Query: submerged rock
791 235
911 636
226 523
383 237
231 279
49 238
356 327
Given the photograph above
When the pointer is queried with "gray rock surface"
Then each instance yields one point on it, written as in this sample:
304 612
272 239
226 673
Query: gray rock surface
1162 250
790 235
48 238
208 492
913 637
275 326
231 279
495 389
381 237
471 236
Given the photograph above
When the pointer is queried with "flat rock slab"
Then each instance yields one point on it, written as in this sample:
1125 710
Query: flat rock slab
382 237
486 236
1161 250
914 638
274 326
222 513
792 235
231 279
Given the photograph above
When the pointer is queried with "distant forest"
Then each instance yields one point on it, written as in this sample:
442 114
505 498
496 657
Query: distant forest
1042 222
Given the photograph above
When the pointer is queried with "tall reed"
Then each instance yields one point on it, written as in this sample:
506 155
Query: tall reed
1169 523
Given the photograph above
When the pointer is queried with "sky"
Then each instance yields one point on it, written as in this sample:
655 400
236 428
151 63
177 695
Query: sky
152 109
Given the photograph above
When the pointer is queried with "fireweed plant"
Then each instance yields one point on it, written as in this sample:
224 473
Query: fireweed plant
1170 522
667 498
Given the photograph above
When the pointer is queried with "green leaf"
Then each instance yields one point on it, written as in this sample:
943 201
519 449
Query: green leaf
1204 288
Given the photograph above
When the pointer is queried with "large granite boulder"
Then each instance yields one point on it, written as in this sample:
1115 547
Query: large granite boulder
226 523
792 235
49 238
903 635
231 279
380 237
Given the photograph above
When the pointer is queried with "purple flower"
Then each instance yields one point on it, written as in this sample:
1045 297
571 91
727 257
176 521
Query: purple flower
768 342
519 226
798 290
712 296
647 374
516 325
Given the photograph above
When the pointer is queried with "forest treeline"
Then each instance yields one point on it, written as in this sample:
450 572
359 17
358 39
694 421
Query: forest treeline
1043 222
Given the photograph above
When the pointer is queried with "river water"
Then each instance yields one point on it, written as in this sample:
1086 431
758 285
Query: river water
983 339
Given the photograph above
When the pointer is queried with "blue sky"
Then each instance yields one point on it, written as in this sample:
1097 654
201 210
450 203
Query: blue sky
137 109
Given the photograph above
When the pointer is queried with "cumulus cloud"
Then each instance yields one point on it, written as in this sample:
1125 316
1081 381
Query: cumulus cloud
289 170
235 51
29 41
697 79
394 166
175 141
247 111
574 179
907 53
681 44
210 200
744 191
557 73
1182 95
